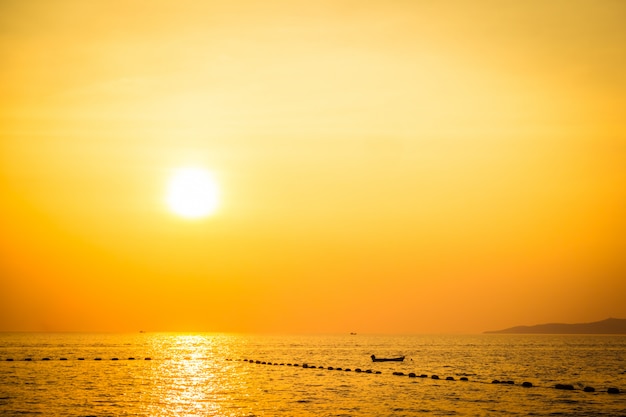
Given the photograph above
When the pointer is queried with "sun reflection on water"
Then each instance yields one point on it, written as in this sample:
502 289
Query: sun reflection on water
192 380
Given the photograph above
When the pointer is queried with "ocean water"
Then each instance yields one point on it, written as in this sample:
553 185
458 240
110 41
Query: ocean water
170 374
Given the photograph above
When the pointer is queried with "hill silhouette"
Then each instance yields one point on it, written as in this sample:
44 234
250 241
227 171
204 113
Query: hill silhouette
607 326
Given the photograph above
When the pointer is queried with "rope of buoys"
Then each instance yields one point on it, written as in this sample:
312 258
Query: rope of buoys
525 384
97 358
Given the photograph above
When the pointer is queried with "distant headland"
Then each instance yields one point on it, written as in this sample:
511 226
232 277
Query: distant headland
608 326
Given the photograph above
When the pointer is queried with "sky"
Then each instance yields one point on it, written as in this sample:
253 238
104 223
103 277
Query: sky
387 166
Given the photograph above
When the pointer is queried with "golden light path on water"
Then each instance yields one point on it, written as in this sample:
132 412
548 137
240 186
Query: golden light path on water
189 383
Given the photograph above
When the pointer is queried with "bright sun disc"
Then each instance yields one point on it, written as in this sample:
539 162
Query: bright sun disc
192 193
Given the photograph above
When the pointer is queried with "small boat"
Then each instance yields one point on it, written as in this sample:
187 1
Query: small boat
398 359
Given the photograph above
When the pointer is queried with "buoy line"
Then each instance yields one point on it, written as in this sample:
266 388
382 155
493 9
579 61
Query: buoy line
525 384
411 375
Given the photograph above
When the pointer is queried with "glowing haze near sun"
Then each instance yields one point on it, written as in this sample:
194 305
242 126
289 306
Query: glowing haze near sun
192 193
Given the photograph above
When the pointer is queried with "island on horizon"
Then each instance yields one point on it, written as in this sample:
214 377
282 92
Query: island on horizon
607 326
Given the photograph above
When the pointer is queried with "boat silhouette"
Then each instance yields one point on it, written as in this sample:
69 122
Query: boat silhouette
397 359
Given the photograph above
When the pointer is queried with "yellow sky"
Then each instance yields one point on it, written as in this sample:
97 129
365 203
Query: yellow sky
384 166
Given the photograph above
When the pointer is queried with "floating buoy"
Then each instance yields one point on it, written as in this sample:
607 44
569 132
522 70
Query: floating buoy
63 359
45 359
527 384
147 359
613 390
435 377
567 387
450 378
464 378
589 389
412 375
330 368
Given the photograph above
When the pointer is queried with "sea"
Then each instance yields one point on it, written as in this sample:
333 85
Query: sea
245 375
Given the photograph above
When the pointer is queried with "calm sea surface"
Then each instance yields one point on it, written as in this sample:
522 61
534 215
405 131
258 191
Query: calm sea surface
75 374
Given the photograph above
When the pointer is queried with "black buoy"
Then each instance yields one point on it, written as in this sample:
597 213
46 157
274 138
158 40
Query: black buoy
435 377
613 390
589 389
464 378
527 384
567 387
412 375
450 378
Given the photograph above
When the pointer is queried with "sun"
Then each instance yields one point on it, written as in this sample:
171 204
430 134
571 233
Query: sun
192 193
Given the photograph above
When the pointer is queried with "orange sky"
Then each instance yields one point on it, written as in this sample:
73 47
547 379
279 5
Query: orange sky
384 166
